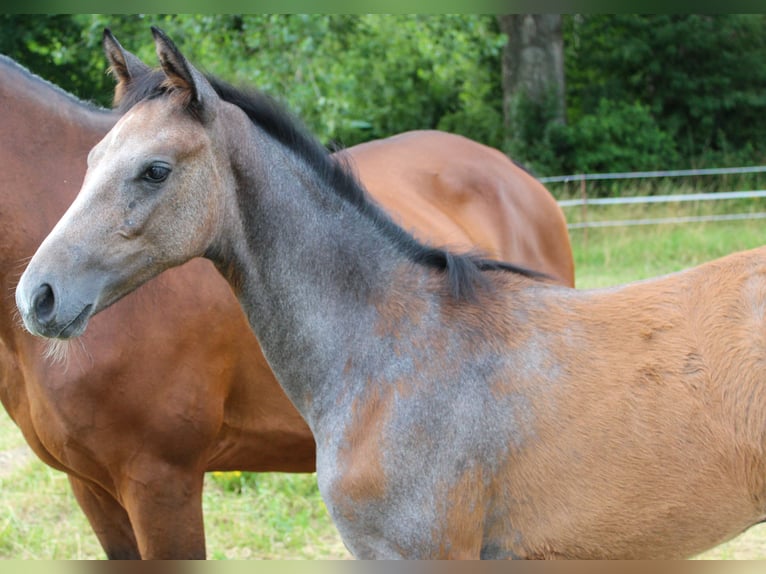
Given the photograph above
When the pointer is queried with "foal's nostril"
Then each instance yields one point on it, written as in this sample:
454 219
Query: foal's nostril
43 303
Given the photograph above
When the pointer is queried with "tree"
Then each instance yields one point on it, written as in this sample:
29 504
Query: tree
533 85
641 91
533 64
701 76
349 77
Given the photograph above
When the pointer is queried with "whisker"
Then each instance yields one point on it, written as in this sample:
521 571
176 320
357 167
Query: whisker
14 274
57 352
21 264
16 318
63 352
86 352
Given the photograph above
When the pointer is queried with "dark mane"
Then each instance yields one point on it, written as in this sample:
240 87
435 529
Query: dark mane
464 271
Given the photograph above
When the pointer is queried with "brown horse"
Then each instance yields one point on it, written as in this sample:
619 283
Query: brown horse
460 409
141 409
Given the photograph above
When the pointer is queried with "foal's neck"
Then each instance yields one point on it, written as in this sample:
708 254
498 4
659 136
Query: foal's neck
310 270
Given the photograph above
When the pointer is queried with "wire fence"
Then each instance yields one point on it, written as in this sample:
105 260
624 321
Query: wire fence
583 201
654 174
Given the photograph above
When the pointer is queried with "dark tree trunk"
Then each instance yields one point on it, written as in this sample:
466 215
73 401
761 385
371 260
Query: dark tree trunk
533 65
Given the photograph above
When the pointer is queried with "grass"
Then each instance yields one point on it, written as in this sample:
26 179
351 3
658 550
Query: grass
605 257
282 516
269 516
9 441
614 255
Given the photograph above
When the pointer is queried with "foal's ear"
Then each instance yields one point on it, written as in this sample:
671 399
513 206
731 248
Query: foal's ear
124 66
180 75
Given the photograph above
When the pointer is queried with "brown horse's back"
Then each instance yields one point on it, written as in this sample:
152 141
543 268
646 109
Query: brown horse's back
454 192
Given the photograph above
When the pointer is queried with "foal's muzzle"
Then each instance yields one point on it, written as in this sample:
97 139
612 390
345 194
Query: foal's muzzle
43 304
44 316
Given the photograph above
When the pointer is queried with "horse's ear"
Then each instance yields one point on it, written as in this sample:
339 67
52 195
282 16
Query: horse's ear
124 66
183 77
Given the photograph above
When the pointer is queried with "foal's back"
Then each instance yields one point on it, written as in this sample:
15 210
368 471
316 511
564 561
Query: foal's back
646 406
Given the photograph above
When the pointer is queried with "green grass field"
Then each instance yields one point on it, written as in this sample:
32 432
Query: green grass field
282 516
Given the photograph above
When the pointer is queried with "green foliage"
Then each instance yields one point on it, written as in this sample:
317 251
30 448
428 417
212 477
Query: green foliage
350 78
642 91
537 137
361 77
651 92
619 137
43 43
701 77
235 481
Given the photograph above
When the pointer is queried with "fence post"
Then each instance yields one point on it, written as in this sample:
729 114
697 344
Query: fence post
584 196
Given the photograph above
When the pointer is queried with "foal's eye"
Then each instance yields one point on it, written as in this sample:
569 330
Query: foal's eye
156 173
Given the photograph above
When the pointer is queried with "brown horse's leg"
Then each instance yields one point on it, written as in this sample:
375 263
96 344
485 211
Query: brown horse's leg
165 507
109 520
